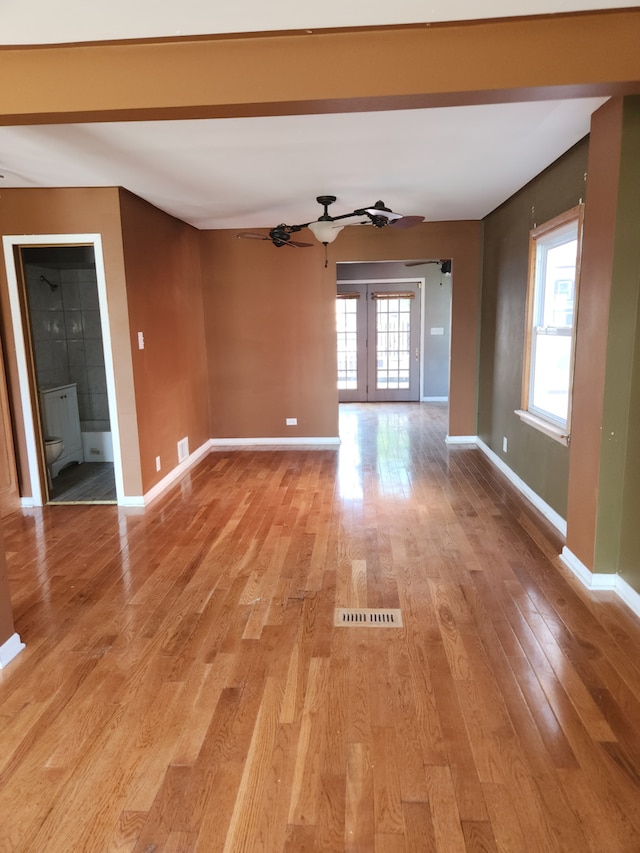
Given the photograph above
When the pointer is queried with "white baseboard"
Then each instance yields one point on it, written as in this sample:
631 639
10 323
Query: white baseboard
303 441
171 478
599 581
584 575
594 581
461 439
214 444
9 649
542 506
434 400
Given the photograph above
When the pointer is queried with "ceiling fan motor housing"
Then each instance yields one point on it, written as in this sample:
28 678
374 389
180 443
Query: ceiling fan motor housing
280 235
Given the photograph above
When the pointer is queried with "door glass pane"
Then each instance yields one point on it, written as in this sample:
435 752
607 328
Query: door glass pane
393 317
346 327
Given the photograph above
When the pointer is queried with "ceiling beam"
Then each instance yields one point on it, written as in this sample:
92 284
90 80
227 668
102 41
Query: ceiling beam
570 55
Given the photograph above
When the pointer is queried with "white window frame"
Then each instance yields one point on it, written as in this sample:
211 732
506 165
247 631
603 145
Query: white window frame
561 229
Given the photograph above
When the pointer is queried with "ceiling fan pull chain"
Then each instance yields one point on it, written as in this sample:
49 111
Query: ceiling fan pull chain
326 259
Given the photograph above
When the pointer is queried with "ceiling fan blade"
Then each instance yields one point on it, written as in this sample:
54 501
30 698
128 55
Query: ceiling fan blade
298 245
407 221
249 235
358 221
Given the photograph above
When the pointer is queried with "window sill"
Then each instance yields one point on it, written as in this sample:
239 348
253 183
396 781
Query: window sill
555 432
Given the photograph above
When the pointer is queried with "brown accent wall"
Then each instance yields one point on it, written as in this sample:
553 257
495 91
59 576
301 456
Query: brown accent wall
591 344
270 329
285 73
270 325
76 211
162 268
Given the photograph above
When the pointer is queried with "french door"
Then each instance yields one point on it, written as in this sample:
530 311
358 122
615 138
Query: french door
378 340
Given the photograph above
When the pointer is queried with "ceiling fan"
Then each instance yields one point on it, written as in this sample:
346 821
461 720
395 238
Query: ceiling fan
324 229
443 263
279 236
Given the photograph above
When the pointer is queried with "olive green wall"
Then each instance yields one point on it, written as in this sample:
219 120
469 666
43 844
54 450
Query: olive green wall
617 528
537 459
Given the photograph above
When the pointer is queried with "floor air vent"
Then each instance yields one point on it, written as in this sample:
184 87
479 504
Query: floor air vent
367 617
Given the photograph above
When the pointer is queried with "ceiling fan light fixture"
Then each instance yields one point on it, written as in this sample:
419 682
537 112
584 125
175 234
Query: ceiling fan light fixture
325 231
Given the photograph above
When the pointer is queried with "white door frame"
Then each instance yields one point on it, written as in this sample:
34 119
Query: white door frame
9 244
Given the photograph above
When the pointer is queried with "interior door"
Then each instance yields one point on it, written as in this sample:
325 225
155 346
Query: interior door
378 342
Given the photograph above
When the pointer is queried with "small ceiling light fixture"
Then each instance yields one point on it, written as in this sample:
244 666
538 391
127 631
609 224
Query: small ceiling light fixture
323 229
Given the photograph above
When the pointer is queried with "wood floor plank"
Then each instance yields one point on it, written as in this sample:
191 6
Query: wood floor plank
183 686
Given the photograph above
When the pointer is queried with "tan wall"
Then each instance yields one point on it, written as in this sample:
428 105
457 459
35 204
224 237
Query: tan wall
270 328
76 211
270 325
162 266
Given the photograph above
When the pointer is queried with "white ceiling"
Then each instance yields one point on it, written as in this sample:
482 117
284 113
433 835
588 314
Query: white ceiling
47 22
444 163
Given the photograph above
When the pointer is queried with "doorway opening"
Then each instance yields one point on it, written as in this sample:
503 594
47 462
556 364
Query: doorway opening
377 350
57 291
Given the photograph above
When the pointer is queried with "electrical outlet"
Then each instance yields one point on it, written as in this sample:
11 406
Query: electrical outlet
504 443
157 463
291 422
140 340
183 449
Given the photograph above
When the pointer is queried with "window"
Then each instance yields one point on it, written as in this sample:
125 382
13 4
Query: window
347 329
554 264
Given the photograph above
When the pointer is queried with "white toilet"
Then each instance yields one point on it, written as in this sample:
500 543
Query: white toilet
53 447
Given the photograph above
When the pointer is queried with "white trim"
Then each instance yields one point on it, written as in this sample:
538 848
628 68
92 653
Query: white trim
132 501
549 513
173 475
9 649
601 581
584 575
596 582
628 594
27 503
461 439
302 441
555 432
112 397
435 400
216 444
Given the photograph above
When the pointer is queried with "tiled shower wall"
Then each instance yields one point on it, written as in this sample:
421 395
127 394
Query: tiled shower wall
67 338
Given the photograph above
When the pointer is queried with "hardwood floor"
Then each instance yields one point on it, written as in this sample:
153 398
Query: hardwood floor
184 689
88 482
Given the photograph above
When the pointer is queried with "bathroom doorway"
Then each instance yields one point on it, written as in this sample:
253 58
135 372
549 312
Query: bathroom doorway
58 303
